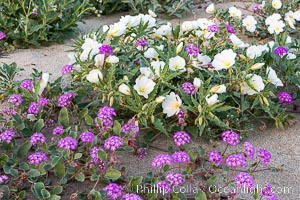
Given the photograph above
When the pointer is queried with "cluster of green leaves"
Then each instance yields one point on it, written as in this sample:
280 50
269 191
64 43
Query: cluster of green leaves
166 8
28 22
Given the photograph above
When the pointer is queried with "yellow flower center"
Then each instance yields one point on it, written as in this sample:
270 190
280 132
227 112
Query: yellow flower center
176 67
175 106
227 63
142 89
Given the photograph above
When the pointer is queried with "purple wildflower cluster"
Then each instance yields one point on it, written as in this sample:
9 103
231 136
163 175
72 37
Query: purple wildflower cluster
7 135
249 150
131 197
87 137
162 159
44 102
281 51
68 143
33 108
267 192
113 191
188 88
231 137
2 35
141 153
285 97
58 130
49 123
8 111
164 186
37 158
180 157
37 138
236 160
243 179
257 7
142 43
3 178
65 100
113 143
213 28
175 178
131 128
181 138
181 116
192 49
102 164
67 69
34 11
27 85
264 156
106 115
215 157
106 49
15 99
229 29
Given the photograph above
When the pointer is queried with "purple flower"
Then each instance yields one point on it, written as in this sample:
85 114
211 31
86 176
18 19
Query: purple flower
37 138
164 186
37 158
9 111
3 178
2 35
181 115
58 130
213 28
181 138
272 198
267 191
131 197
249 150
65 100
94 153
281 51
285 97
113 191
49 123
113 143
67 69
33 108
188 88
236 160
106 114
142 43
264 156
231 137
243 179
34 11
44 102
162 159
180 157
16 99
192 49
131 128
230 29
27 85
215 157
87 137
175 179
68 143
106 49
141 153
7 136
257 7
137 62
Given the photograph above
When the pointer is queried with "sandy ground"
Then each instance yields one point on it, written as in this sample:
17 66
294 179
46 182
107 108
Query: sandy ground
284 145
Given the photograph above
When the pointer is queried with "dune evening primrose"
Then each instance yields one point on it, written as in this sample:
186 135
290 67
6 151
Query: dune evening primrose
144 86
171 104
177 64
94 76
256 82
277 4
235 13
124 89
250 23
212 100
67 143
37 158
272 76
224 60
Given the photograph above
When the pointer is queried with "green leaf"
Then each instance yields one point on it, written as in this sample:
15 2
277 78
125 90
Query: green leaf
37 189
113 174
201 151
23 149
59 168
14 172
160 126
211 181
117 128
38 126
19 122
94 177
83 113
89 120
45 193
5 192
80 177
200 195
34 173
193 130
77 156
135 182
22 194
102 155
63 117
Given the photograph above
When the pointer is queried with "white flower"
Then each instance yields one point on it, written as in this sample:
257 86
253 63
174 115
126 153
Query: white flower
276 4
90 44
218 89
276 27
186 26
289 18
288 40
272 76
250 23
112 59
197 83
146 71
157 66
291 56
256 85
99 60
123 88
254 52
130 21
31 117
177 64
204 59
150 12
210 9
43 83
235 13
257 66
171 104
224 60
73 58
151 53
237 42
297 15
212 100
273 18
164 30
144 86
117 29
94 76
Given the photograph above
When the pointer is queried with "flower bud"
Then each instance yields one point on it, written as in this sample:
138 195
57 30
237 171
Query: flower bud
200 121
218 89
179 48
124 89
160 99
111 101
210 9
257 66
112 59
125 78
200 109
